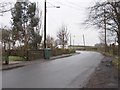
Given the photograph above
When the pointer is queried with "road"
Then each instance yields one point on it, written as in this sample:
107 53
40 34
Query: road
70 72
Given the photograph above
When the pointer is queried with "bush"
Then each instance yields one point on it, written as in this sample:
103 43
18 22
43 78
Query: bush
116 63
56 52
71 50
35 54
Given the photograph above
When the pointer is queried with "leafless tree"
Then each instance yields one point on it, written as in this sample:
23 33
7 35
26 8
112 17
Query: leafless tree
106 15
110 37
5 7
63 35
50 41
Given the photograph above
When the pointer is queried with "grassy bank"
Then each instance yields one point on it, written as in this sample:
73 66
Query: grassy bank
15 58
116 62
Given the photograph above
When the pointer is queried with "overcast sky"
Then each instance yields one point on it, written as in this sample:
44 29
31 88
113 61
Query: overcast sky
71 13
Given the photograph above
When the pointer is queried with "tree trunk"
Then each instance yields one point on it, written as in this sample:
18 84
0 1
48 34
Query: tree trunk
35 46
63 46
6 57
4 46
118 35
119 46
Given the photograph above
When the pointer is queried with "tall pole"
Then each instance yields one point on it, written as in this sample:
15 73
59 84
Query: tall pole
73 39
45 30
84 40
73 42
70 40
45 25
105 31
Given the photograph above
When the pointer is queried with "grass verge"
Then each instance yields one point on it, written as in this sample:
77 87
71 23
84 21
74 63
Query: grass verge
107 54
15 58
116 63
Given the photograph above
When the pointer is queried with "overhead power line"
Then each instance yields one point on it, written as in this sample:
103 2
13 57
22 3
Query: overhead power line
68 5
73 4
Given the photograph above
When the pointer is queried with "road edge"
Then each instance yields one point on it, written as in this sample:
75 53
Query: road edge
18 65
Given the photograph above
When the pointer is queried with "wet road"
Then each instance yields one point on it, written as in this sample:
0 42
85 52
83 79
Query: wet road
70 72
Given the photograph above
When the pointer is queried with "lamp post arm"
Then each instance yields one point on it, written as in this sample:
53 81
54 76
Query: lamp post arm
53 5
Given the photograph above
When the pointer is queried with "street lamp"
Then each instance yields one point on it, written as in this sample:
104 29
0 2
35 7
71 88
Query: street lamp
73 40
45 25
84 40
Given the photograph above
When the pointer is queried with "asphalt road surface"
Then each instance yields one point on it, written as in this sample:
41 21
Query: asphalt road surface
70 72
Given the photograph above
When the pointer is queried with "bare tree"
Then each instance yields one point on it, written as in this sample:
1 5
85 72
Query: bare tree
106 15
62 35
110 37
50 41
5 7
6 42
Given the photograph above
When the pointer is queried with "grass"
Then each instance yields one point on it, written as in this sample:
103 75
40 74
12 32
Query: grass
108 54
15 58
116 63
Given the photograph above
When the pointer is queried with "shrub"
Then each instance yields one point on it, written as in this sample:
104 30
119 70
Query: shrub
56 52
116 62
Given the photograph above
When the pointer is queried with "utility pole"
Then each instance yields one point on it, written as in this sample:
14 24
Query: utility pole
45 7
45 29
73 40
45 25
70 40
84 40
73 45
105 30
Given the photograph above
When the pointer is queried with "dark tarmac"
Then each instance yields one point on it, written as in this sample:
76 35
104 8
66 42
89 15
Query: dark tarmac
69 72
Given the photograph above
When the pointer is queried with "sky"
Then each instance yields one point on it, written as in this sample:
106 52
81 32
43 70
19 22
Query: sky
71 13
